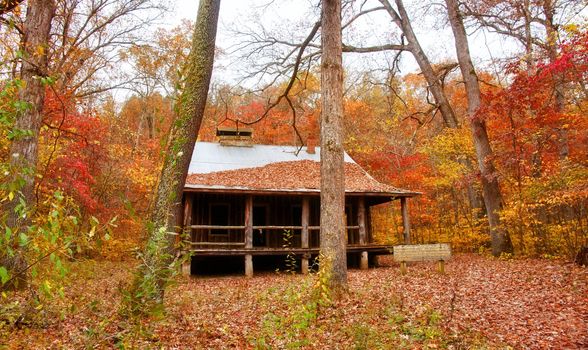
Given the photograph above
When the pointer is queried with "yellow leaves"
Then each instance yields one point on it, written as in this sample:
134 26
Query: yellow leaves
571 28
451 151
40 50
450 143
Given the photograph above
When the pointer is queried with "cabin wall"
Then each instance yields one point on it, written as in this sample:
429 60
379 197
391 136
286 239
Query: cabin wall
203 205
276 210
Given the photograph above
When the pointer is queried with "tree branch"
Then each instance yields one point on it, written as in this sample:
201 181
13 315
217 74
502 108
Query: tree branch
378 48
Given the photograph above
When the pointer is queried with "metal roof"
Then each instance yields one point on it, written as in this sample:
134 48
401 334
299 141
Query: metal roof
209 157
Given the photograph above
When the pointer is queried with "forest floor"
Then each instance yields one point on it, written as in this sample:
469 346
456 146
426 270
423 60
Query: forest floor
480 303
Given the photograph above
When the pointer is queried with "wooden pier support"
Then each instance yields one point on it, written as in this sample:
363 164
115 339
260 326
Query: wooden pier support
304 265
187 267
249 265
441 266
364 261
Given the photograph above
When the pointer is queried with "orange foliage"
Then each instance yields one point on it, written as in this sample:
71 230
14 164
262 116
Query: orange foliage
110 162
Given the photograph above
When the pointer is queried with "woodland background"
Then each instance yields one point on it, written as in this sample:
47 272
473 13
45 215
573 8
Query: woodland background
105 155
100 155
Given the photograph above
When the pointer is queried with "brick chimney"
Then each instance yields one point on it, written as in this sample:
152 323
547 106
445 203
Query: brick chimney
310 145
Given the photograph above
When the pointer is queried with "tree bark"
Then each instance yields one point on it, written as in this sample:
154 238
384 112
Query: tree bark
333 241
24 149
526 7
185 129
167 203
492 196
402 20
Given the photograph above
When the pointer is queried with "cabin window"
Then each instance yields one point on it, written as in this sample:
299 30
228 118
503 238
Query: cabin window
219 216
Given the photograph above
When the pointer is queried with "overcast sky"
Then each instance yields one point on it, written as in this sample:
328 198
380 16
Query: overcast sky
294 18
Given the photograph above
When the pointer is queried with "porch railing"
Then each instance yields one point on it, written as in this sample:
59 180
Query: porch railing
243 227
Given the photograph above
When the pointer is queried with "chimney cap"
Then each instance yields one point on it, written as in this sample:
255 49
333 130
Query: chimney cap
238 137
230 131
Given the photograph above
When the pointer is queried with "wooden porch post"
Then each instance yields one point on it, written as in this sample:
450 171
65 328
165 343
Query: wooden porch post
362 232
304 235
187 265
405 220
249 234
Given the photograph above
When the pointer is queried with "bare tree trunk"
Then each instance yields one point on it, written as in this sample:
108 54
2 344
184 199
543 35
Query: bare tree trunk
402 20
536 160
490 187
24 149
333 241
150 123
551 45
167 206
528 35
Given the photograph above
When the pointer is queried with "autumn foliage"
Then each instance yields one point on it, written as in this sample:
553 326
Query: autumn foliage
539 149
100 116
107 160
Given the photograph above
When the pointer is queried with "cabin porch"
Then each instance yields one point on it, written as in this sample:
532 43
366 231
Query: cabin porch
265 224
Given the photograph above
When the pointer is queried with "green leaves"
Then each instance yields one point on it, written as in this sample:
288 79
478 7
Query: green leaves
47 81
7 234
4 276
23 239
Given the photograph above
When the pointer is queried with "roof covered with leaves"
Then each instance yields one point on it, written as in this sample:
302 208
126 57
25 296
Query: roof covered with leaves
270 168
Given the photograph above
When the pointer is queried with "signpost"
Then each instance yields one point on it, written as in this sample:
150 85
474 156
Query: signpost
422 252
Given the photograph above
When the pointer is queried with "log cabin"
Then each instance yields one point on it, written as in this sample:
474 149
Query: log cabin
251 200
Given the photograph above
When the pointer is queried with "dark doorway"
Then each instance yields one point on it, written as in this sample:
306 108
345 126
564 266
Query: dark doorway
259 219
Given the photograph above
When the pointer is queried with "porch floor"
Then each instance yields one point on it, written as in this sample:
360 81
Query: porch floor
372 249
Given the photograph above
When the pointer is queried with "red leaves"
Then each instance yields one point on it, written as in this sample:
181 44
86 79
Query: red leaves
75 148
534 127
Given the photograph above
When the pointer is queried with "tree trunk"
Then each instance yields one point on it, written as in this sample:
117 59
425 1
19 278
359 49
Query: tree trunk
403 22
551 45
492 197
167 210
24 149
526 6
333 241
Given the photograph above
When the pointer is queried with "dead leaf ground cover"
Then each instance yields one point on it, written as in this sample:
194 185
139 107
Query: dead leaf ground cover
480 302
